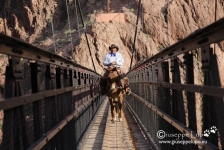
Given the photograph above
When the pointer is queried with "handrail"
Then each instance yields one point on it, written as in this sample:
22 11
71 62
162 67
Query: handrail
26 99
201 37
203 89
56 86
15 47
173 83
51 133
178 125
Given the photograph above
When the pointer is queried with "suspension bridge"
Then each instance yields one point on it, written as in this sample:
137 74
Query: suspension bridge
63 109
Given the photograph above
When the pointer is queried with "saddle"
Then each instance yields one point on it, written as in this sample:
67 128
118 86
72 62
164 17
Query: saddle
123 82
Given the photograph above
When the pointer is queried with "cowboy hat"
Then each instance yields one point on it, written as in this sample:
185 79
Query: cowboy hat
113 46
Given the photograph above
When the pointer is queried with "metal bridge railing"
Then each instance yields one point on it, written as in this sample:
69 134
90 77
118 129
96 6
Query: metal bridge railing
48 101
169 99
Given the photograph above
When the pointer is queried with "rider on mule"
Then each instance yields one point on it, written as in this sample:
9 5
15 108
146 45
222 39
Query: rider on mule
114 58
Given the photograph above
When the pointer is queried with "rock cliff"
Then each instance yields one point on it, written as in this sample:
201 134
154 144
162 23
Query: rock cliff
161 24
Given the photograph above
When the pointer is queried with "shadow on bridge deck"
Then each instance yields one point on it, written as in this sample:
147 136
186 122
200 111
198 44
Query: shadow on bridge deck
103 134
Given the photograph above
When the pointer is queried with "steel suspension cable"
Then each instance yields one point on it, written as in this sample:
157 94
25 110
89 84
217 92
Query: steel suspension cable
69 26
80 13
142 24
151 20
167 17
136 28
215 10
3 17
53 35
215 19
142 17
77 17
52 28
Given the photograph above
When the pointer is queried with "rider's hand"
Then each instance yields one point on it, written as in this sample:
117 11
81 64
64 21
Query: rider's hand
113 63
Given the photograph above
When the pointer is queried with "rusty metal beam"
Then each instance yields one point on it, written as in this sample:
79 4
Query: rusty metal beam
15 47
51 133
207 90
25 99
202 37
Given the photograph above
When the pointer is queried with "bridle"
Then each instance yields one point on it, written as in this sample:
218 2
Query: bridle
117 81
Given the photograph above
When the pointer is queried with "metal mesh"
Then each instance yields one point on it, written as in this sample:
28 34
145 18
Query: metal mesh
19 119
63 104
74 130
1 123
184 111
25 124
149 118
49 111
26 84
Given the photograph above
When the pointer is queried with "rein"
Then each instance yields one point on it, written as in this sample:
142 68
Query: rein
117 81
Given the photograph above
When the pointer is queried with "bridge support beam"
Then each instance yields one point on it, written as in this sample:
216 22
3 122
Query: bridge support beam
35 69
213 114
177 97
15 123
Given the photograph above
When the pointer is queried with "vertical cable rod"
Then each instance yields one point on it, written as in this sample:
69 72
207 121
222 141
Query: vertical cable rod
52 28
136 29
167 16
3 18
69 26
80 13
150 32
77 17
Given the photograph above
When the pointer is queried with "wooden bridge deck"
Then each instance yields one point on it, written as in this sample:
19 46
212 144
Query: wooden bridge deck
105 135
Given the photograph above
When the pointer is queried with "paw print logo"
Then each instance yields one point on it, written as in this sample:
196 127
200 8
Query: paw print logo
213 129
206 133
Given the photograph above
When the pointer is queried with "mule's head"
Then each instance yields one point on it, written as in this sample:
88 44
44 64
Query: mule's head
113 79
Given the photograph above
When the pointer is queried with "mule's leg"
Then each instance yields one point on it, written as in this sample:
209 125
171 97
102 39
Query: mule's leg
120 103
112 107
126 83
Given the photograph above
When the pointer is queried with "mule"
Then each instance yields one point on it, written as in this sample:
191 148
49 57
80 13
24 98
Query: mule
115 92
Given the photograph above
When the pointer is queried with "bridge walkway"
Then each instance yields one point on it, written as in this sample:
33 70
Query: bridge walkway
121 135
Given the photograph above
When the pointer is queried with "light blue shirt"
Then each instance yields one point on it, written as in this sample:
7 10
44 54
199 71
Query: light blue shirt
109 58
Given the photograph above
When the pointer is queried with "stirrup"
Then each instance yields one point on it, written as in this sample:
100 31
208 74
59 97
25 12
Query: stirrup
102 90
128 91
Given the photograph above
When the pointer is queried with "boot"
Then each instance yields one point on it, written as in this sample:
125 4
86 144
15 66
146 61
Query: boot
122 83
126 87
102 91
103 86
128 90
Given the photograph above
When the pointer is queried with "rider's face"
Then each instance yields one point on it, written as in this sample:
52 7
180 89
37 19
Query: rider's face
113 50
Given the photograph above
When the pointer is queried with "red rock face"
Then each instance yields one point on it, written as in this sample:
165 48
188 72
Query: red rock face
108 17
160 24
